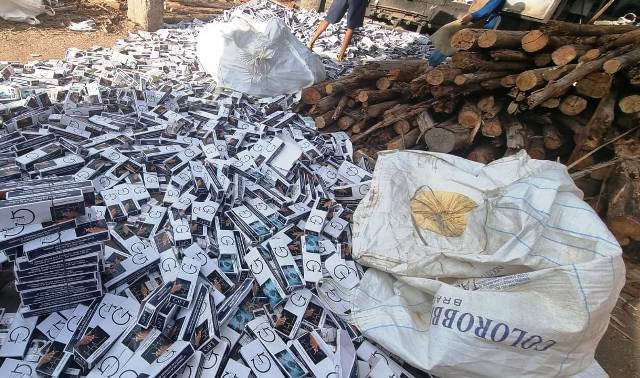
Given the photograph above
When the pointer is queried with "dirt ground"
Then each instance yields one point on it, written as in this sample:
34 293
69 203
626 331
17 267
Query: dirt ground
619 350
24 42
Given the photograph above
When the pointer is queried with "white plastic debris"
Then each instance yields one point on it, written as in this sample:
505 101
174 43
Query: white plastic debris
83 26
23 10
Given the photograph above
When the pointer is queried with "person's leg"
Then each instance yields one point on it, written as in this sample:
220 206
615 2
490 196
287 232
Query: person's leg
334 15
321 28
345 43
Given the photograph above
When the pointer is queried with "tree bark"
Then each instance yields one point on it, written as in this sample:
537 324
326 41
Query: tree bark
555 73
634 75
570 28
516 134
375 111
470 78
324 120
500 39
471 61
324 105
404 141
509 55
553 138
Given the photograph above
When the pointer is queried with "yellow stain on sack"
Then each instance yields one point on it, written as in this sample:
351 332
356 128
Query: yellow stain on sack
442 212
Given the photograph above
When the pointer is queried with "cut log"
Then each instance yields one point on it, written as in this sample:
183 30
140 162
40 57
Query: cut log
551 103
342 103
500 39
509 55
491 127
345 122
553 138
595 130
623 214
404 141
537 40
466 39
630 37
542 60
383 83
375 96
570 28
535 147
589 55
471 61
484 153
556 88
425 122
324 105
359 126
634 75
469 115
516 134
401 127
375 111
555 73
205 4
531 79
313 94
508 81
595 85
354 81
442 75
447 139
630 104
621 62
566 54
490 106
628 121
470 78
573 105
324 120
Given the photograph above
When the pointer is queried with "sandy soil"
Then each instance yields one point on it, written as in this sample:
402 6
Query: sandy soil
24 42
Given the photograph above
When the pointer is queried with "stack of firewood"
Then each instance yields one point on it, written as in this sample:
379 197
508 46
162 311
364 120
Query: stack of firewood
567 92
187 10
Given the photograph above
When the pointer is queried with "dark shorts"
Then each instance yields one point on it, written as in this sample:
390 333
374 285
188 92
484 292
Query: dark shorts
354 9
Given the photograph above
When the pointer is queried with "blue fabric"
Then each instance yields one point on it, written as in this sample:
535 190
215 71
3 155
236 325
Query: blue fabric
492 22
492 7
436 58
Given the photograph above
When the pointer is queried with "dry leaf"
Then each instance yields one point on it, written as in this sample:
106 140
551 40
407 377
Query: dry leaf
442 212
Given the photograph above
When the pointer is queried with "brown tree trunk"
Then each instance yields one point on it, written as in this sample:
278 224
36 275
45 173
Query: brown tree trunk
326 104
442 75
313 94
570 28
404 140
555 73
324 120
542 59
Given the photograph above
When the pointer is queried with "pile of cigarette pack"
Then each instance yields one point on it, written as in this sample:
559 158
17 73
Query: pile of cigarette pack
159 226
